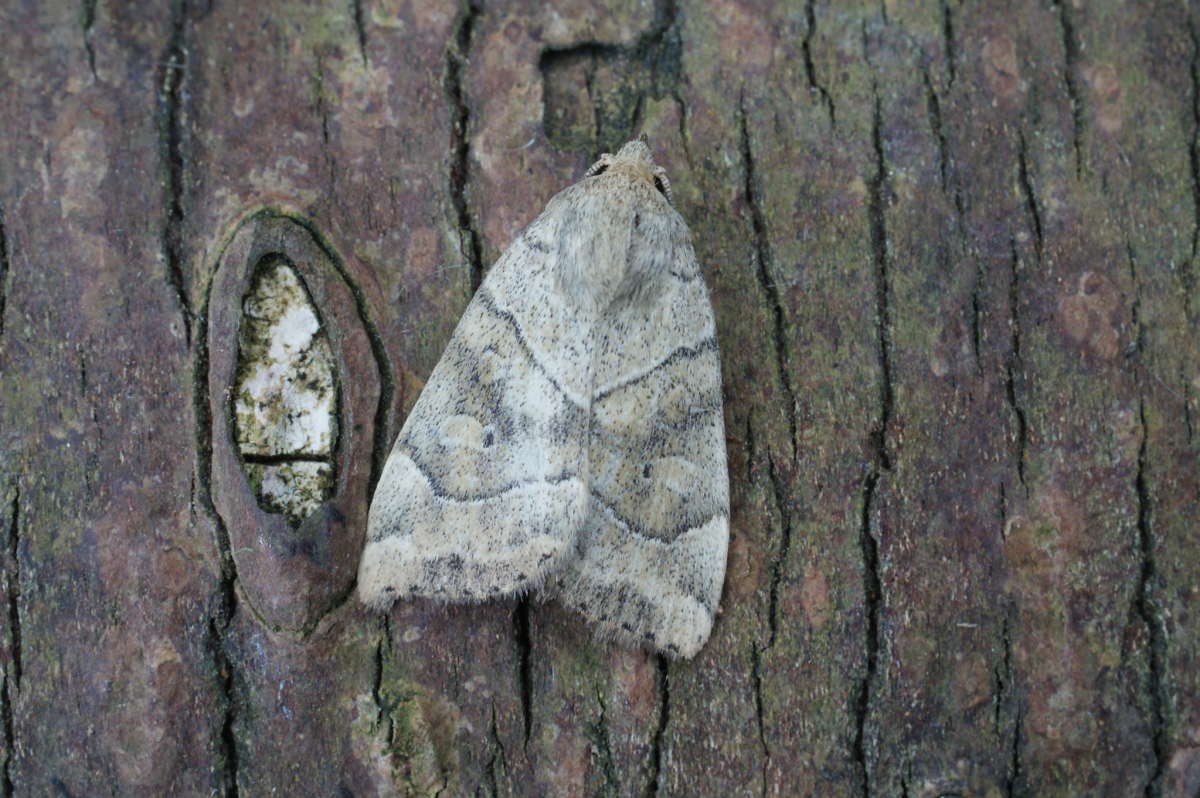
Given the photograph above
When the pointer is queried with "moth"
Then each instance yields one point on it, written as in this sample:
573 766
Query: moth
571 440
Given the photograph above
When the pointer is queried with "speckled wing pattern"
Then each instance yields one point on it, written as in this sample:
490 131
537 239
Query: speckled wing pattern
485 489
571 437
651 555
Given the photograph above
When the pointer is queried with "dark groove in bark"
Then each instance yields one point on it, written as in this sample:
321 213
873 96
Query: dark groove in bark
976 314
948 41
934 108
227 742
883 319
809 71
12 677
1031 205
377 677
1194 156
602 747
756 683
872 596
872 584
170 133
499 758
322 109
226 604
751 451
521 633
1071 79
785 545
1014 759
681 107
457 59
4 268
13 577
1014 360
1151 616
282 459
664 718
762 248
6 783
360 28
1002 673
87 22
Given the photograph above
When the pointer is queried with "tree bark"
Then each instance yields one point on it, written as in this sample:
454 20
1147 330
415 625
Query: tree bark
953 253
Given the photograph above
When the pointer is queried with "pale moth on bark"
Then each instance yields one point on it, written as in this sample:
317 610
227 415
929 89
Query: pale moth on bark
570 440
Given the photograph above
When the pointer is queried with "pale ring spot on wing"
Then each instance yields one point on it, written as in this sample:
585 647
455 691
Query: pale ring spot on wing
676 474
465 432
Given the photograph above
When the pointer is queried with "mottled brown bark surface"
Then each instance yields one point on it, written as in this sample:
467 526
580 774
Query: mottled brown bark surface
952 248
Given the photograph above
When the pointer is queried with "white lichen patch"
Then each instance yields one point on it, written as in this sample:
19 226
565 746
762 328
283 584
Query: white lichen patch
285 395
294 489
286 400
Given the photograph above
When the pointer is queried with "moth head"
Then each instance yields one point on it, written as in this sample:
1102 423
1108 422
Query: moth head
634 158
600 166
662 183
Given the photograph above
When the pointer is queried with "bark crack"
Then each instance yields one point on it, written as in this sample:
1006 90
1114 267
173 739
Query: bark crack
170 133
1002 673
1150 614
872 595
4 269
360 28
1194 154
883 319
226 603
785 545
934 109
377 676
948 41
12 675
1014 360
521 633
322 108
499 758
681 107
872 584
766 267
756 681
660 732
1035 215
88 20
1071 79
218 626
6 783
809 70
602 746
12 575
457 60
1014 759
1145 604
1005 696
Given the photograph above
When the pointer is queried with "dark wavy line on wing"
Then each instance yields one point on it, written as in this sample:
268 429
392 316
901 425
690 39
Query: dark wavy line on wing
630 527
661 433
535 243
435 485
709 344
489 303
640 531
